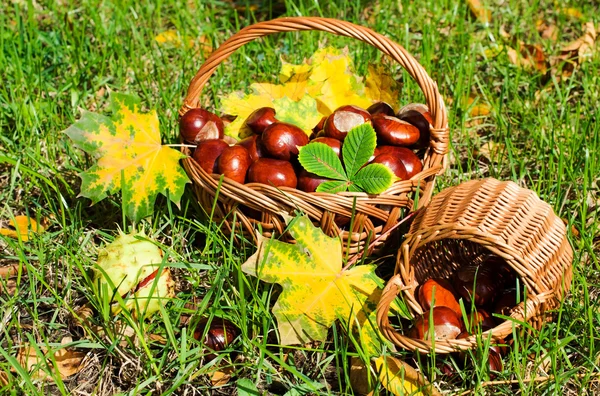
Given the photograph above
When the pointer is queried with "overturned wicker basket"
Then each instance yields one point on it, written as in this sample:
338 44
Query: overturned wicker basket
461 223
258 205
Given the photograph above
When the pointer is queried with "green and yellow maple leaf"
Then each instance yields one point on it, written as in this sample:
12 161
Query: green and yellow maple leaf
317 290
129 157
327 78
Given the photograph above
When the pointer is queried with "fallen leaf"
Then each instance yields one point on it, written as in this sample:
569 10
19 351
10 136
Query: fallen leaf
221 376
316 289
68 361
492 151
360 380
400 379
130 157
173 38
583 47
529 57
11 270
571 12
22 226
483 14
548 32
8 286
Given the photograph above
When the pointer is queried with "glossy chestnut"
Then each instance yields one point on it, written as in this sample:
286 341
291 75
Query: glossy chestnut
234 162
198 124
343 119
319 127
478 283
446 325
207 152
393 163
220 333
506 301
260 119
381 108
335 144
281 140
273 172
253 145
391 130
418 115
309 182
412 163
437 292
480 318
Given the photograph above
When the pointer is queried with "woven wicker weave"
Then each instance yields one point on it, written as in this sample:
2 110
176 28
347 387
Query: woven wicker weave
264 204
461 223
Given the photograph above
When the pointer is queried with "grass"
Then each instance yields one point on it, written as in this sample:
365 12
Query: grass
60 57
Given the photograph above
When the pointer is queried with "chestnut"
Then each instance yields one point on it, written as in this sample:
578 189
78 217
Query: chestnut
412 163
253 145
446 325
478 283
198 124
439 292
219 334
260 119
482 319
506 301
393 163
335 144
381 108
343 119
273 172
418 115
309 182
207 152
391 130
494 362
234 162
227 119
320 125
281 140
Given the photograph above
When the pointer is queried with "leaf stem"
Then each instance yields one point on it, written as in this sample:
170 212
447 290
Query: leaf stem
387 232
181 145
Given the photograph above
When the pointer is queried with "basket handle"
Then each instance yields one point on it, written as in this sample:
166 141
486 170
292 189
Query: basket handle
439 132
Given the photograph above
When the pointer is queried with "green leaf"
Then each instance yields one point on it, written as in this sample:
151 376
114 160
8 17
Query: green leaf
302 113
333 186
374 178
320 159
246 387
358 147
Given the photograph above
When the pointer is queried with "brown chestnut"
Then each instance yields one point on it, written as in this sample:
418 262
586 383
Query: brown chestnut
381 108
260 119
478 283
219 334
335 144
446 325
393 163
207 152
391 130
494 362
273 172
439 292
198 124
253 145
412 163
320 125
343 119
227 119
281 140
234 163
506 301
309 182
418 115
482 319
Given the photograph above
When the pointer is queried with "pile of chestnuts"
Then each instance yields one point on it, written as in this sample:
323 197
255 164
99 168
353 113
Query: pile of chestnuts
485 286
269 155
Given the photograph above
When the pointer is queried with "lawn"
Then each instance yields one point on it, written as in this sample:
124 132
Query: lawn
530 119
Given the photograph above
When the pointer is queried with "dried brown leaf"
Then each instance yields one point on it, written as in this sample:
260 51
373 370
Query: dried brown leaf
529 57
221 376
359 377
68 361
10 270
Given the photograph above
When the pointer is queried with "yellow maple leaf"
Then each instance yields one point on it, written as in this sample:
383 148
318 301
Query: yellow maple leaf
401 379
130 157
23 227
316 289
380 86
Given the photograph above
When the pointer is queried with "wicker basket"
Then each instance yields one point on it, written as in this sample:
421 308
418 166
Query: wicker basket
258 205
461 223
